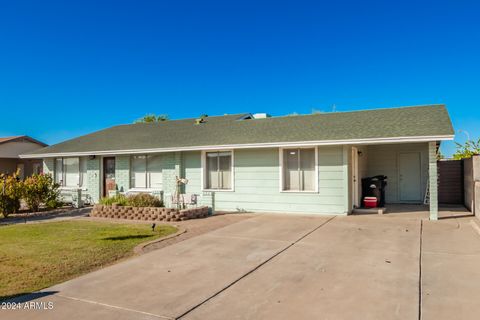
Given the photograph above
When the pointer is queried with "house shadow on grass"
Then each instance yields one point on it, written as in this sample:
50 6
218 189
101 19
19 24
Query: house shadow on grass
137 236
25 297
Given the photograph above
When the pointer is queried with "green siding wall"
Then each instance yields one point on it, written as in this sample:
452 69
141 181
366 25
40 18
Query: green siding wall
122 172
257 183
93 178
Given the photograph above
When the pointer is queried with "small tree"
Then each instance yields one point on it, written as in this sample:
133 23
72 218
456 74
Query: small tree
149 118
440 155
467 150
40 189
10 193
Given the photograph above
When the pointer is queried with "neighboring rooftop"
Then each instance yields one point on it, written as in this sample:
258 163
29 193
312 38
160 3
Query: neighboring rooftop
21 138
430 121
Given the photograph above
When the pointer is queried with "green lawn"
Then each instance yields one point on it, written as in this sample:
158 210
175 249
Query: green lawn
35 256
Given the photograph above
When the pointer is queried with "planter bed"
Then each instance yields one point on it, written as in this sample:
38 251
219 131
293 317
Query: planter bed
147 213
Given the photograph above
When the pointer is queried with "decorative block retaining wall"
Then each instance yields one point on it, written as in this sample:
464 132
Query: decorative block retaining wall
148 213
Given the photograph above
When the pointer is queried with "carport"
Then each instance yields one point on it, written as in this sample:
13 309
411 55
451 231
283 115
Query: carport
411 170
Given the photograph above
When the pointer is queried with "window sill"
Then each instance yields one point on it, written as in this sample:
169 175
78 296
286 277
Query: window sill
298 191
218 190
72 188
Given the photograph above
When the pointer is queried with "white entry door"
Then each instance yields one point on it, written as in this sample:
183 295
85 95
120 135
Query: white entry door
410 176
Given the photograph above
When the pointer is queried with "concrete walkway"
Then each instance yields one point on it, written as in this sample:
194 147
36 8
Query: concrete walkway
289 267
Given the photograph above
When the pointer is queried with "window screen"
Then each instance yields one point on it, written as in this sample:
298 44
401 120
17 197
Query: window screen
71 172
154 169
67 172
83 172
146 171
299 169
59 171
218 170
139 173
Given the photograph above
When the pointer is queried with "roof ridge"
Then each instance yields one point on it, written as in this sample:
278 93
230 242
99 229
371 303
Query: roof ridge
357 111
182 119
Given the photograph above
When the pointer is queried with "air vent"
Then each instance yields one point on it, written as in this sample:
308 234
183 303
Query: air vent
261 115
255 116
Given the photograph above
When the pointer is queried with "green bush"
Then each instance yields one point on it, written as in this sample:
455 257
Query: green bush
40 189
136 200
119 199
36 190
10 194
144 200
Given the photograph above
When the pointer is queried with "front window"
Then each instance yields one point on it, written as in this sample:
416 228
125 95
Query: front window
70 172
37 168
218 167
299 170
146 171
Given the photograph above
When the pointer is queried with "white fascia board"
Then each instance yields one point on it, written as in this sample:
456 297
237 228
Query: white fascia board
245 146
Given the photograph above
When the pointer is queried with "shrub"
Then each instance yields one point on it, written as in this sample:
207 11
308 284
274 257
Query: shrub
10 194
144 200
136 200
119 199
40 189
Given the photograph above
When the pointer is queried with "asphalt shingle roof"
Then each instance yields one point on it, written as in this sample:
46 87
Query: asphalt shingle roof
432 120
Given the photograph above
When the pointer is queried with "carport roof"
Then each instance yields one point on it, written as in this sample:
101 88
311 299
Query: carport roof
419 123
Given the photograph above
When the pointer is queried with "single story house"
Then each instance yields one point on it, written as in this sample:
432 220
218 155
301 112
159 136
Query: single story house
253 162
10 150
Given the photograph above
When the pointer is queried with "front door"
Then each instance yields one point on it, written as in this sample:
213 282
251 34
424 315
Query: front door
410 176
108 175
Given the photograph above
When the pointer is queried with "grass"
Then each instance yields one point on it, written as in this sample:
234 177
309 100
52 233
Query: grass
36 256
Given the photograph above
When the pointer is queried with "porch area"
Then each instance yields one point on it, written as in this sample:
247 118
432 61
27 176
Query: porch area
411 178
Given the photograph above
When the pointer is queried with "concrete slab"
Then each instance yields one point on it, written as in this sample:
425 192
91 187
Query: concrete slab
455 236
365 233
280 227
64 308
330 275
450 270
170 281
288 267
450 286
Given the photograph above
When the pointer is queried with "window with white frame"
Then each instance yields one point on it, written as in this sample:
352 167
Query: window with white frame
218 170
299 172
146 171
71 172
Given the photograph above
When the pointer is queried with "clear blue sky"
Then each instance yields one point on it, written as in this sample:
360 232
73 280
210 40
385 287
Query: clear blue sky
69 68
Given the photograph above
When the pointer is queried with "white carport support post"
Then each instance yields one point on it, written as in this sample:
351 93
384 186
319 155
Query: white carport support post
433 179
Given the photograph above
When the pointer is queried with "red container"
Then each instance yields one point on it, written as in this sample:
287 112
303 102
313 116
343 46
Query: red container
370 202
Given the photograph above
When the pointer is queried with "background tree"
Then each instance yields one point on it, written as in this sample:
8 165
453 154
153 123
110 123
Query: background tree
440 155
149 118
467 150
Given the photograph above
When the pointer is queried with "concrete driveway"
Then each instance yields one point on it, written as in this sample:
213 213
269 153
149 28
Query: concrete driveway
288 267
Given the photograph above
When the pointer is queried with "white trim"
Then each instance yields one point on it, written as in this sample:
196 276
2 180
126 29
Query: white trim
280 166
355 179
346 179
204 171
244 146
